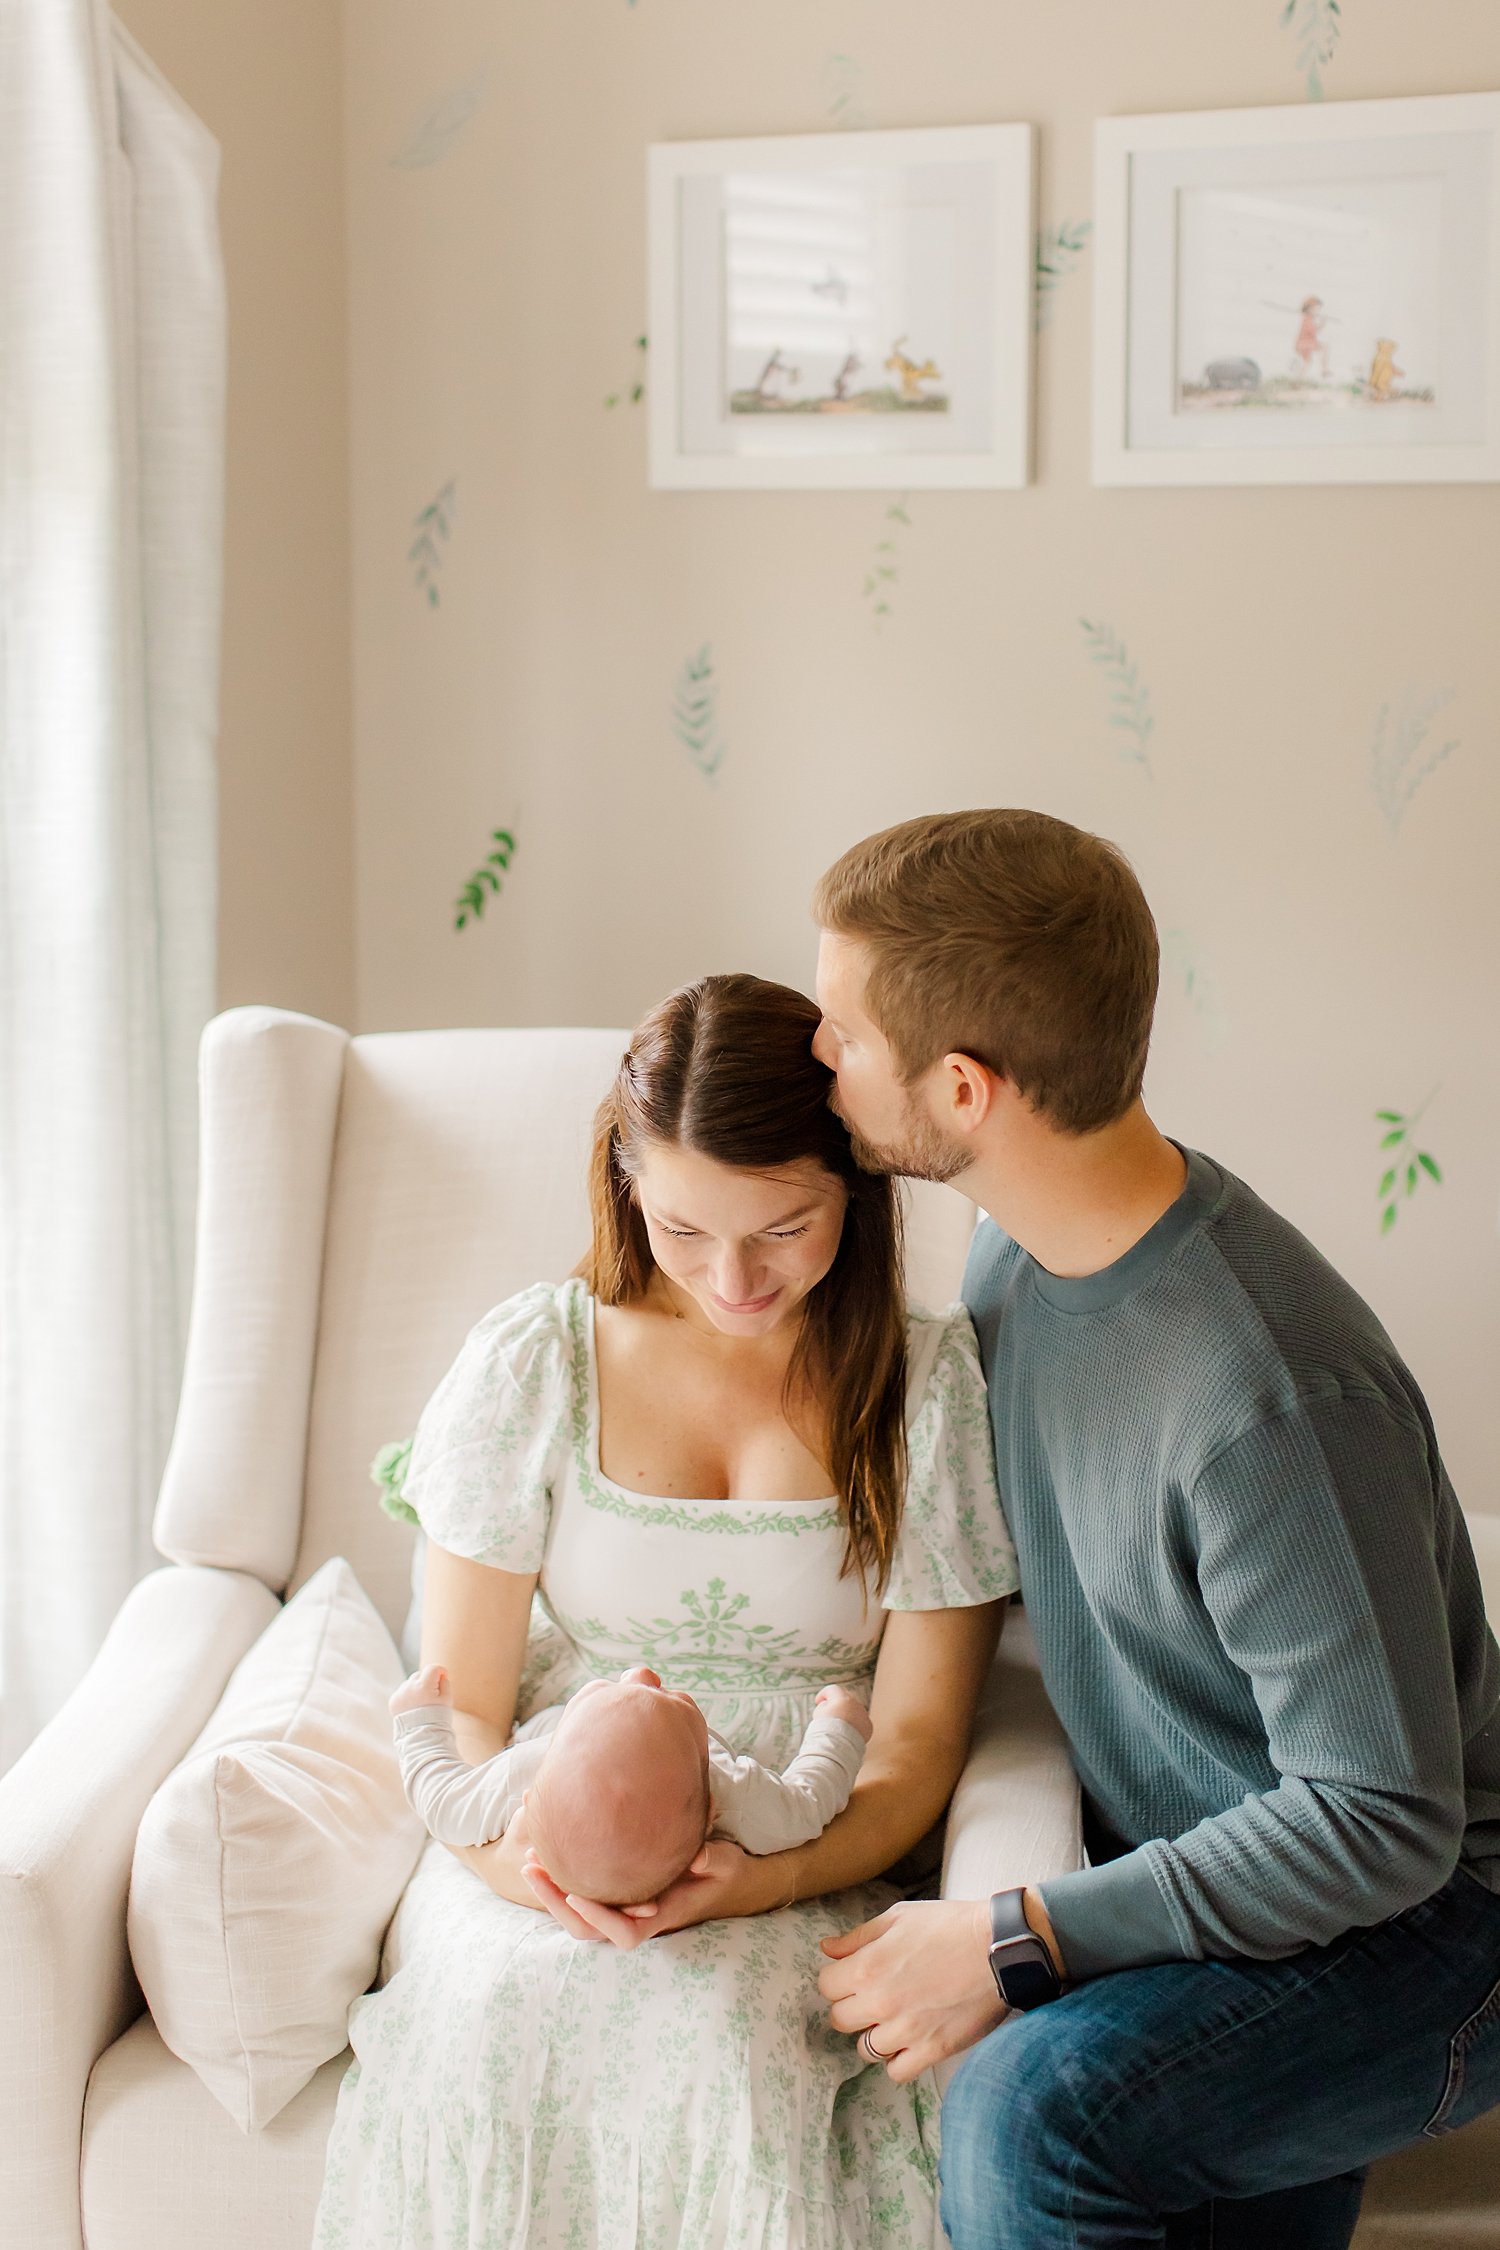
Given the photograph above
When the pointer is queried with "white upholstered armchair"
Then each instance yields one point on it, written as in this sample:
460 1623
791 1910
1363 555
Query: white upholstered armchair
363 1201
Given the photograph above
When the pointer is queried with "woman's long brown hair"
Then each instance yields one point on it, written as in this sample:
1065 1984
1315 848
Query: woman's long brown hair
725 1067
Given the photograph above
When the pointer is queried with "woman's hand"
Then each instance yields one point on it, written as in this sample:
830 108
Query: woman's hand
501 1865
722 1880
585 1918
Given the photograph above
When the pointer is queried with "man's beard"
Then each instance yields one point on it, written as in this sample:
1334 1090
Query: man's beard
921 1153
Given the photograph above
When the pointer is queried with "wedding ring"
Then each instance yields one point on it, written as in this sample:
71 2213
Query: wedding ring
871 2049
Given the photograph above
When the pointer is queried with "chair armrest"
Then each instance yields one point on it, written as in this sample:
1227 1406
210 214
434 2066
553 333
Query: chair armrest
69 1810
231 1491
1016 1815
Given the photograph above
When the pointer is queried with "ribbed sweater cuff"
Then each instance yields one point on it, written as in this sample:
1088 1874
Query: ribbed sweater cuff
1113 1917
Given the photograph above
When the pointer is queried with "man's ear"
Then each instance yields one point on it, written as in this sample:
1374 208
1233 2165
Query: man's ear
969 1092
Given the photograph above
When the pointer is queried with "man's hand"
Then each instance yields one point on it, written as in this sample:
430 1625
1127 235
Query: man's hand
918 1980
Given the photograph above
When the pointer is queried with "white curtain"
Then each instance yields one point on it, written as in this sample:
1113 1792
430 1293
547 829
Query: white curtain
112 348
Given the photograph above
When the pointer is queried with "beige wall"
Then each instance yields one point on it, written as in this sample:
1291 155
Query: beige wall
497 282
266 78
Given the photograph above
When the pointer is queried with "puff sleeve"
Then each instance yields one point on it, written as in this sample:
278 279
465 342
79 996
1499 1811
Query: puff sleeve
492 1436
954 1548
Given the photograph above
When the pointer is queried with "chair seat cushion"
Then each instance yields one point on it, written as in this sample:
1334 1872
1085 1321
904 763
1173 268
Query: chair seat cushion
270 1861
165 2168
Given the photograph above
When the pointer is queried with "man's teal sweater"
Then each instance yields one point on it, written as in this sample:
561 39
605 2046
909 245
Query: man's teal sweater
1254 1596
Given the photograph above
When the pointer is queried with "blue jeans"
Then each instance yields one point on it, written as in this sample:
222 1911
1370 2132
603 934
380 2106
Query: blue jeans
1226 2105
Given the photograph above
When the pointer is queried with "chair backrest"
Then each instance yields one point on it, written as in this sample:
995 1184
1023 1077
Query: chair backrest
457 1176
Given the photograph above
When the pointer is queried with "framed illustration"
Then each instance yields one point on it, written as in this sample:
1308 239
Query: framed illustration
842 309
1299 296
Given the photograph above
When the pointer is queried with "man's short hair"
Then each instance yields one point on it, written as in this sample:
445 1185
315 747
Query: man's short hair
1012 937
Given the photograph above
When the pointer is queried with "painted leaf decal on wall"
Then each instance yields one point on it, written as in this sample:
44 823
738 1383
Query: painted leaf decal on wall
635 390
884 571
1186 960
1404 1165
433 525
1315 26
1058 250
484 883
839 84
1129 702
695 713
433 135
1401 754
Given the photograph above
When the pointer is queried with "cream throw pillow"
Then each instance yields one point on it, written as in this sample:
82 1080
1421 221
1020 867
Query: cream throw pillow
272 1858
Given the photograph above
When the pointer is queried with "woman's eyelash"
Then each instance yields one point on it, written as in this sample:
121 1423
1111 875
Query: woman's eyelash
687 1234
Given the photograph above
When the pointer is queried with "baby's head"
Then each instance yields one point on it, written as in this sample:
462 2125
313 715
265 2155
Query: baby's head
620 1806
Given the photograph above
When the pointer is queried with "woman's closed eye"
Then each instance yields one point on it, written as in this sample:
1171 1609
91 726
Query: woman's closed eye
773 1234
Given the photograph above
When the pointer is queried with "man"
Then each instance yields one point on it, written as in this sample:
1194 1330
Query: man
1255 1601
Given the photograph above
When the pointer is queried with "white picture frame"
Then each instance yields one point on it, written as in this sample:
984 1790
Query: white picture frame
842 310
1254 272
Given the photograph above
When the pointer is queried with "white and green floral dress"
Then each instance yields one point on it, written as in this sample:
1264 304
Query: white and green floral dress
514 2089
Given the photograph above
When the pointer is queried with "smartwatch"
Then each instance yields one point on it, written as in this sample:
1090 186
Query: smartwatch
1020 1963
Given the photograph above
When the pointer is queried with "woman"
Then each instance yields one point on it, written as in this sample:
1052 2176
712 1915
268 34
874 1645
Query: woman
724 1451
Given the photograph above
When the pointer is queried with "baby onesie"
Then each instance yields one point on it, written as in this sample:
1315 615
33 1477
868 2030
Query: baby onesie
752 1806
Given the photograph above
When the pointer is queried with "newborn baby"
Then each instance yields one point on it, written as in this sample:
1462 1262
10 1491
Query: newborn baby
624 1783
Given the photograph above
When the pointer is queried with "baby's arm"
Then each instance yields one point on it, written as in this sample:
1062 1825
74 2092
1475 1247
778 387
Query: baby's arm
772 1812
458 1803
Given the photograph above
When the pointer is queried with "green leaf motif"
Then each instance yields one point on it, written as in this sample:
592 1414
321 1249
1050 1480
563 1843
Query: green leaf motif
1399 1181
635 389
432 525
839 83
484 883
1058 250
436 131
388 1471
1400 756
695 713
1132 703
882 575
1315 27
1183 958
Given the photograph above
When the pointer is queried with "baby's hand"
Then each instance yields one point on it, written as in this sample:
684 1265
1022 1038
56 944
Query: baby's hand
422 1691
838 1703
